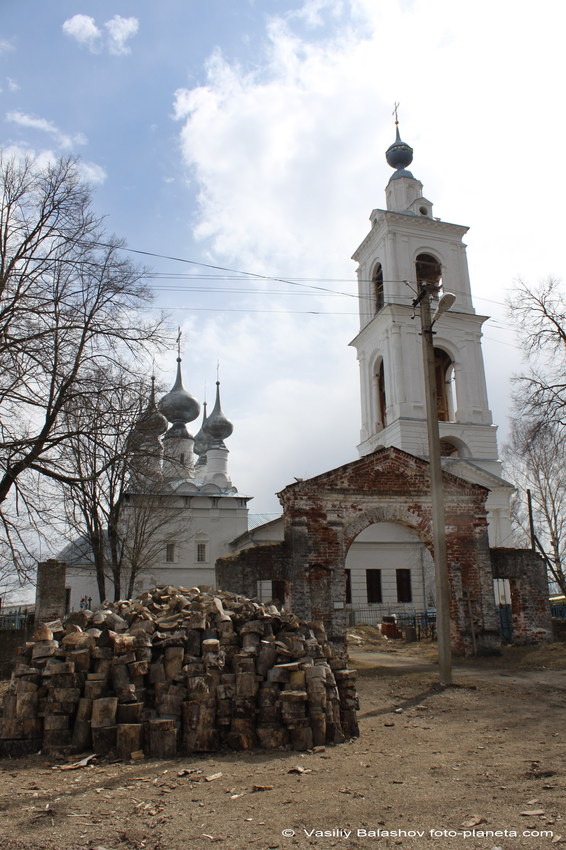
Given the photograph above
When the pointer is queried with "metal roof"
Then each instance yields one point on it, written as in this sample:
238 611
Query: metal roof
255 520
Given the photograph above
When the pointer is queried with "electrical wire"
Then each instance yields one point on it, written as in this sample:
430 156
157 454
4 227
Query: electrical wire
303 282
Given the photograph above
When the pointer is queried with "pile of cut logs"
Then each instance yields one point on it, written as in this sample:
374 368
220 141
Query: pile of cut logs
179 671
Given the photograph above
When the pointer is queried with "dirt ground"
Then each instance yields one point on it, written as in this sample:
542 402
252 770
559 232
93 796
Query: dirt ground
478 766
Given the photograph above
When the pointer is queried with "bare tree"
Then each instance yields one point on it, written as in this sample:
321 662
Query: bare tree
535 453
148 522
536 463
540 317
120 508
98 445
69 309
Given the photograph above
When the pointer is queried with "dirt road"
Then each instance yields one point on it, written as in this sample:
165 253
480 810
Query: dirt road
478 766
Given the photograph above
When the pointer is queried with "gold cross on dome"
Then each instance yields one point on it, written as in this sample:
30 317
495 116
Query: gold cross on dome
395 108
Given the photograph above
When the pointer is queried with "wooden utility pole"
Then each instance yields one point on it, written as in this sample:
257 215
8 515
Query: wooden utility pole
437 490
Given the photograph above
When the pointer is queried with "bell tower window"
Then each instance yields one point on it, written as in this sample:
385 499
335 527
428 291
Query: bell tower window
381 397
377 280
428 270
444 372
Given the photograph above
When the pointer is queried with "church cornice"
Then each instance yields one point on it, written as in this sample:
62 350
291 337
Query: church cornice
387 220
394 310
470 471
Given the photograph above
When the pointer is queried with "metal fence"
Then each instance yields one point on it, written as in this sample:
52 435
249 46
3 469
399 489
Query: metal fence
558 611
415 625
14 622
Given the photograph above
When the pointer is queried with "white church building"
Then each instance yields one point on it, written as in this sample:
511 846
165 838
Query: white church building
387 566
182 493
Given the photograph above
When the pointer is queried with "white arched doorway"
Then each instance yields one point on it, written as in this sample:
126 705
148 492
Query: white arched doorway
388 568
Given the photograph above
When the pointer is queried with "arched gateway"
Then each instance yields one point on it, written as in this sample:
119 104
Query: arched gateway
325 514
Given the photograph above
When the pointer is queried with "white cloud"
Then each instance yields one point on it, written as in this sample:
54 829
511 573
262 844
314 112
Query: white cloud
22 152
311 11
289 162
89 171
13 85
119 31
5 46
84 30
92 173
43 125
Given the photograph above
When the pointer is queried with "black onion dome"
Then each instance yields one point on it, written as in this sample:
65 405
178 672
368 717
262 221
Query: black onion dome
399 155
179 405
202 440
217 426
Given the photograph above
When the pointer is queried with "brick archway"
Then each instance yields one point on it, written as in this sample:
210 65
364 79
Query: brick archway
323 515
400 514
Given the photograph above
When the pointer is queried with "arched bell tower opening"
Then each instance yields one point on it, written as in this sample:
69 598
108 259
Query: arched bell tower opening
445 386
451 446
377 285
428 270
381 395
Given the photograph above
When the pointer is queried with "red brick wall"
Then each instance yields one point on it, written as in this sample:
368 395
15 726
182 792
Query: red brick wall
528 581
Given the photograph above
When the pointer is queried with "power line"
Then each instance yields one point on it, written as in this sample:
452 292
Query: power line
254 275
254 310
293 281
304 282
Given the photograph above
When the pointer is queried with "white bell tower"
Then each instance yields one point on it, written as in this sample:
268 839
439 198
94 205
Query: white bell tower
407 244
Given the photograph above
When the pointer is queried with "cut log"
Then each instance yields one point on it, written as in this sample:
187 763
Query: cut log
104 711
103 739
272 737
82 736
130 712
173 661
162 739
129 739
199 726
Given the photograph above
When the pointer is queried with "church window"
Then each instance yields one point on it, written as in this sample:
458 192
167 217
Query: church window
444 372
404 589
428 270
377 280
170 553
201 553
373 586
381 397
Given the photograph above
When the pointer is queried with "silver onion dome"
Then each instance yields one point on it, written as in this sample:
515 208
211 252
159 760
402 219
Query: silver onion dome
202 440
152 422
399 155
217 426
178 405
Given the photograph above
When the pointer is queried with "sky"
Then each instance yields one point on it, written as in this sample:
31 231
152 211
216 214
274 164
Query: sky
250 135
